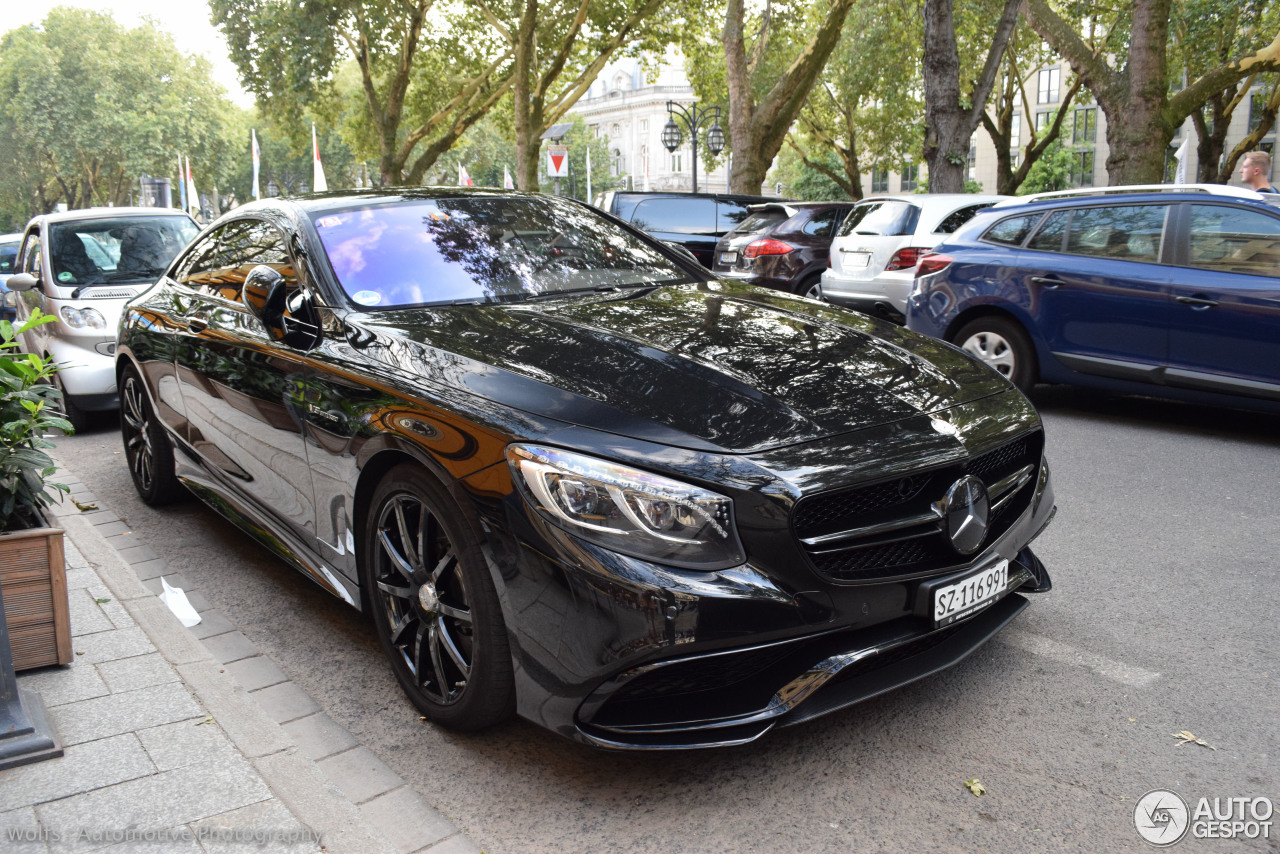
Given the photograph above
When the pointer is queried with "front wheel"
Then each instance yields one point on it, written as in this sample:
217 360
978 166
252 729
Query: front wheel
1003 345
434 604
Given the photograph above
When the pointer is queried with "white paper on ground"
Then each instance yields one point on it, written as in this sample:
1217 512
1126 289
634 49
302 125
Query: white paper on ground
178 604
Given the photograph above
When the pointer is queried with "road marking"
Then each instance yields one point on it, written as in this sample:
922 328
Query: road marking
1067 654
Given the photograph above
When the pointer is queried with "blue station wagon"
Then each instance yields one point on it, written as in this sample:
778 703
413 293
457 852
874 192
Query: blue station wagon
1172 291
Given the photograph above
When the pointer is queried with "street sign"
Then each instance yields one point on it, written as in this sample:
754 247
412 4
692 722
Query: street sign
557 161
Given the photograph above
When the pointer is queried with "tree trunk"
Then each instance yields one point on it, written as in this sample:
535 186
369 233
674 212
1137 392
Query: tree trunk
1210 143
528 115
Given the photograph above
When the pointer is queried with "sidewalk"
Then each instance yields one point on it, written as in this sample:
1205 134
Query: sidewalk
189 740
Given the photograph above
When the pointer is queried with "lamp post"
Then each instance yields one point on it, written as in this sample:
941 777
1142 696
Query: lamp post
694 118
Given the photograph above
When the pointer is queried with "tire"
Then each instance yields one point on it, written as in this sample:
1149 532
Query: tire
810 287
78 417
434 605
1003 345
147 448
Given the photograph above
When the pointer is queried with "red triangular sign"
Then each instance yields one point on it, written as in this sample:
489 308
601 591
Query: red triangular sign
557 161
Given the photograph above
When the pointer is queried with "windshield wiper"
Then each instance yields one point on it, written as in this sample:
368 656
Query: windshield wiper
135 275
595 289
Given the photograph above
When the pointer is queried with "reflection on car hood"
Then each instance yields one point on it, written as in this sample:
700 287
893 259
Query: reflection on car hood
716 366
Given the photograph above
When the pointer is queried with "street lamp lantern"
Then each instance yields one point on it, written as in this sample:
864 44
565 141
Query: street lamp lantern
693 117
671 136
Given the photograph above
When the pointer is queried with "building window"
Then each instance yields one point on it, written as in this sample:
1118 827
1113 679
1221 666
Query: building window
1050 79
1043 119
677 165
1085 126
879 180
595 130
1015 139
1258 104
973 159
615 167
616 131
910 178
1082 169
644 126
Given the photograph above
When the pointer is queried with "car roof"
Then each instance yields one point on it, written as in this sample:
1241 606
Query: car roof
79 214
1137 189
1144 194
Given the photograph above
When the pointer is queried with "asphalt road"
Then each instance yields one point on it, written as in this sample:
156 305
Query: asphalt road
1163 618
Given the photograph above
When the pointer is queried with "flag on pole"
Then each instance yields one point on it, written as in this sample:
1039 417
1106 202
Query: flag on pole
318 183
193 197
464 180
1180 174
253 149
588 175
182 185
506 178
646 171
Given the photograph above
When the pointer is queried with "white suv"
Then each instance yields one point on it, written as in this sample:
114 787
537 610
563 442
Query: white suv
876 249
82 266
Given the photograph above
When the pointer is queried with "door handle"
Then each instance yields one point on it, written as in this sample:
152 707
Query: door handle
1198 303
1049 282
196 325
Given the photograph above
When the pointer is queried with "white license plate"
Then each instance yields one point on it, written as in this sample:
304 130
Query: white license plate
969 596
854 260
728 257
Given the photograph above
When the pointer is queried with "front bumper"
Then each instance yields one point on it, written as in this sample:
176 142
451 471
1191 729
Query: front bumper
624 654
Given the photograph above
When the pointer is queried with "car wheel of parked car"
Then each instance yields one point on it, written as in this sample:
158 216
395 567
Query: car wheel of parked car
811 288
1003 345
146 447
434 604
78 417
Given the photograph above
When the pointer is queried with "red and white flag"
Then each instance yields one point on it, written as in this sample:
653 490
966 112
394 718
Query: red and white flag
193 198
464 180
506 179
318 183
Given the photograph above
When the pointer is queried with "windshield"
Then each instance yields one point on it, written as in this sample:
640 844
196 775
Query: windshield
119 249
483 249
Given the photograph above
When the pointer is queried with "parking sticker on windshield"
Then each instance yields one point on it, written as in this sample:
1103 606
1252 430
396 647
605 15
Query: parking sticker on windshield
367 297
328 221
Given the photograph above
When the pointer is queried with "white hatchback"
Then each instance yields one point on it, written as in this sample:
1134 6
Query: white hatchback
876 249
82 266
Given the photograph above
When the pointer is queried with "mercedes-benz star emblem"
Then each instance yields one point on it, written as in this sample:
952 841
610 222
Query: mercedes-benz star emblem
966 510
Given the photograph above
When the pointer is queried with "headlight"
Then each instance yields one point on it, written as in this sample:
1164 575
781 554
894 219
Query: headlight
627 510
78 318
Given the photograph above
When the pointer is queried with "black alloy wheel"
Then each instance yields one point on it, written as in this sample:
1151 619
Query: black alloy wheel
1003 345
434 604
146 447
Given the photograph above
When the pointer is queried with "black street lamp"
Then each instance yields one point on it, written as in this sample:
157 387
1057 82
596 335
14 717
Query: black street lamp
693 118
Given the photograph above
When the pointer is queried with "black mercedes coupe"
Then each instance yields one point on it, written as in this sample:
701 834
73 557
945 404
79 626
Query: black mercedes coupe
571 475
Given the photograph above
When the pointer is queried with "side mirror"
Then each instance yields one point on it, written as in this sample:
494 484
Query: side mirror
264 293
22 282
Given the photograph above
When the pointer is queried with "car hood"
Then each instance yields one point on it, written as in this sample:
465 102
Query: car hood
716 366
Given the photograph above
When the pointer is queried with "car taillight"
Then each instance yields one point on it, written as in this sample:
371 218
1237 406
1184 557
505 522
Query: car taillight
767 246
905 259
933 263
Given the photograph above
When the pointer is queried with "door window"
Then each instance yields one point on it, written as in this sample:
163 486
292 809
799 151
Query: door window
1049 237
1129 232
31 263
1232 240
1011 231
219 265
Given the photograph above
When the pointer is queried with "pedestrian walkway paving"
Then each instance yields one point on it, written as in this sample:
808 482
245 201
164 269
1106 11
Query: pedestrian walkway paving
182 740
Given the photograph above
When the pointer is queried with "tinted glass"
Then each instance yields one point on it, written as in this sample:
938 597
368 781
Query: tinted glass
482 250
1129 232
1232 240
1049 237
1011 231
32 263
824 223
878 218
760 221
678 216
729 215
955 219
219 266
9 257
125 249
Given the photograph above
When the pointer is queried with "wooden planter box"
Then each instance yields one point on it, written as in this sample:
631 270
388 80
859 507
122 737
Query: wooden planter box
33 580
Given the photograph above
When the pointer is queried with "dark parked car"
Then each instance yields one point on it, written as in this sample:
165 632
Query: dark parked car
1172 291
692 220
571 475
782 245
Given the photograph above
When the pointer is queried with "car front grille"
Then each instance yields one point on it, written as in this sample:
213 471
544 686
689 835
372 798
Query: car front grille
890 529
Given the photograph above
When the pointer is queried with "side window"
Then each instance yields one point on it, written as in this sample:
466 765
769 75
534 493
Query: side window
677 216
219 267
1011 231
1049 237
31 262
1130 232
823 224
955 219
881 219
1233 240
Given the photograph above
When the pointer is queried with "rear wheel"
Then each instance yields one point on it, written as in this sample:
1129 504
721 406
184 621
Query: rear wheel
1003 345
434 604
146 446
810 287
